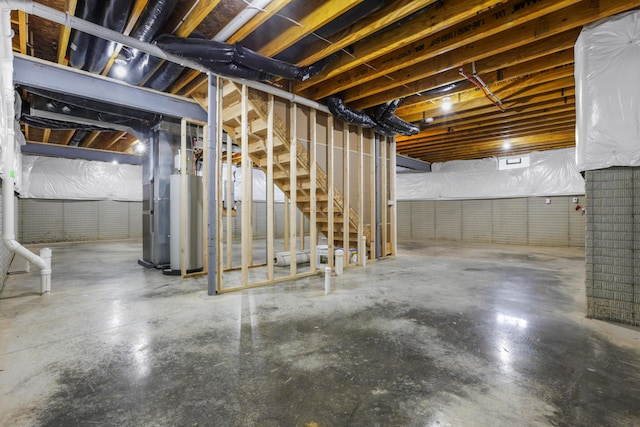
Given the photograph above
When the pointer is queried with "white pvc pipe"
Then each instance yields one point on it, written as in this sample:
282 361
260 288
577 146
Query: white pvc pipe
327 280
240 20
7 131
339 256
62 18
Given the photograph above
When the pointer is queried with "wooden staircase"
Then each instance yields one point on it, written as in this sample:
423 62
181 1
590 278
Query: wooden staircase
257 133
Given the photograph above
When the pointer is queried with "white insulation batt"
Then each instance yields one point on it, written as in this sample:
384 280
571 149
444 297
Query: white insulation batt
607 56
550 173
67 179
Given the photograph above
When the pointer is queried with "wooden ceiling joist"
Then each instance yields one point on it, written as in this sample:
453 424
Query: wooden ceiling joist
537 56
65 33
255 22
357 31
316 17
23 33
491 38
520 90
88 140
443 16
527 103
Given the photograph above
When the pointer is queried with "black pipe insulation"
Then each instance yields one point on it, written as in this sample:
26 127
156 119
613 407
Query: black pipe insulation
236 60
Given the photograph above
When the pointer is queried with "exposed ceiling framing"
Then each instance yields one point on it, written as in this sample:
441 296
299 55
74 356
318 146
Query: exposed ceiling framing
403 49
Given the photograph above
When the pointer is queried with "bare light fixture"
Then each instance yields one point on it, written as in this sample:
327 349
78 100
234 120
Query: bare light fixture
446 103
139 147
506 145
119 71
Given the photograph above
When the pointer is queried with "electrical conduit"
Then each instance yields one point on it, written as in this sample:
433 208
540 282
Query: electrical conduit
7 132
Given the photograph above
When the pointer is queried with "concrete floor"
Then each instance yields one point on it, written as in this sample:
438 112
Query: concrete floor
447 334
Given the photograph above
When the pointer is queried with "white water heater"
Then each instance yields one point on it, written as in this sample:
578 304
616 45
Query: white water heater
193 216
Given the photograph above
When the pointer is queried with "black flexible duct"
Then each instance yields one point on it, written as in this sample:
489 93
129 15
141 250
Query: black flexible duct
236 60
138 65
81 42
349 115
167 74
77 138
114 16
383 121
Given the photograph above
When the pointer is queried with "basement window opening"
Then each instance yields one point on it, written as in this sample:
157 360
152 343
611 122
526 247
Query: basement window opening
506 163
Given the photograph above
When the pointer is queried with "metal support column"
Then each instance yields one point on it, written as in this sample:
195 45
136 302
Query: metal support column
212 202
378 213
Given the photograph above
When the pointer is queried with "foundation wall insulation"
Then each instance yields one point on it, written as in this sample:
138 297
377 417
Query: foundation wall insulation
548 173
608 149
517 221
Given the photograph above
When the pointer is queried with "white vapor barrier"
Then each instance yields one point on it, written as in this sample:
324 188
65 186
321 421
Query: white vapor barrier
550 173
67 179
607 56
259 185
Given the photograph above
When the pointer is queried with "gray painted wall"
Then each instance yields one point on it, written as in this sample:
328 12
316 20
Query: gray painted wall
44 221
519 221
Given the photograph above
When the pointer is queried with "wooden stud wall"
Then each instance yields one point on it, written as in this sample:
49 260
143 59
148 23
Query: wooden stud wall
329 170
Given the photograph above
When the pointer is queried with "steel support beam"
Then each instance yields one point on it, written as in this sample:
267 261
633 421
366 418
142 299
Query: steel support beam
411 163
41 74
69 152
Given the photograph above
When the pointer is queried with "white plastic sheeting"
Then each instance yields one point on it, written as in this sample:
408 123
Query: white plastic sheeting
550 173
67 179
607 56
259 185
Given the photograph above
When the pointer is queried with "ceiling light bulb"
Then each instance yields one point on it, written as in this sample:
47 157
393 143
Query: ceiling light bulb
119 71
446 103
140 148
506 145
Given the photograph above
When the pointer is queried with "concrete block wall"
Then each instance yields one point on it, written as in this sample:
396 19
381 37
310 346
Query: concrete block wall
519 221
44 221
613 244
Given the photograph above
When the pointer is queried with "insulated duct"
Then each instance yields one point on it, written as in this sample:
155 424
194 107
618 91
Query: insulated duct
236 60
80 42
51 14
383 121
133 65
92 53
